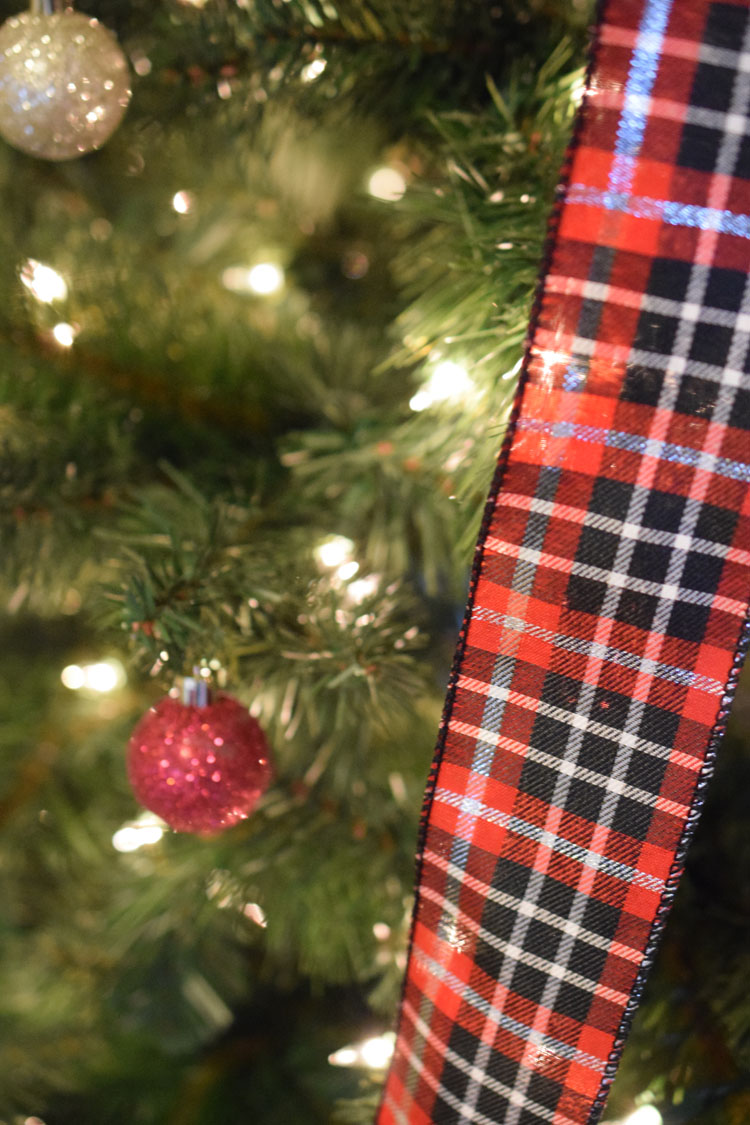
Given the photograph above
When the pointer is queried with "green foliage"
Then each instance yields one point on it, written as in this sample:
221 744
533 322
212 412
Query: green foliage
166 486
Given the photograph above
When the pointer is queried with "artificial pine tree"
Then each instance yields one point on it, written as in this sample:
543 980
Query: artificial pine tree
258 356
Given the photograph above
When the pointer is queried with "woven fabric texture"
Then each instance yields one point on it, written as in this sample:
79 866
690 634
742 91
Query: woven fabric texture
607 613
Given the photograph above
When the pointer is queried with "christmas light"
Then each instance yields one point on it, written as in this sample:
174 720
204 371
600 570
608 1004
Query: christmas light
102 677
362 588
147 829
347 570
64 334
255 913
448 382
386 183
183 202
378 1052
44 283
73 677
345 1056
374 1053
644 1115
313 70
263 279
335 551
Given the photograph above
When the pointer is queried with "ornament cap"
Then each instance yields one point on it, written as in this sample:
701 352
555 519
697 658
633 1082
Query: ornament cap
195 691
46 7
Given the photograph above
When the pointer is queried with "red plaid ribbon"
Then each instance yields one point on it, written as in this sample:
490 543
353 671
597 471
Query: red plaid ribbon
606 620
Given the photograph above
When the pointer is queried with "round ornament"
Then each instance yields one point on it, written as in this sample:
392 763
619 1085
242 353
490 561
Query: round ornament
64 83
201 768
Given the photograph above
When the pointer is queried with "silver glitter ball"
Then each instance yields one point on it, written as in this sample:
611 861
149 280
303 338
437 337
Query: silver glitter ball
64 84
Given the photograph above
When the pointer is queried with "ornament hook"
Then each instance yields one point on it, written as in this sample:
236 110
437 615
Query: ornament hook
46 7
195 691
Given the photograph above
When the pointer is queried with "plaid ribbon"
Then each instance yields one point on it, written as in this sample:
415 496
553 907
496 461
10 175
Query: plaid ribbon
606 618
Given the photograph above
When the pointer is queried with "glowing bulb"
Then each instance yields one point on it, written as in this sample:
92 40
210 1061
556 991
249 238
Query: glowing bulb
65 335
374 1053
313 70
378 1052
362 588
255 913
345 1056
644 1115
73 677
335 551
386 183
43 282
183 202
101 677
265 278
448 382
147 829
421 400
347 570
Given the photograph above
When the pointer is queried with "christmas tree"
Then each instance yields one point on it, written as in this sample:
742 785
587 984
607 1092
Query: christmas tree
259 353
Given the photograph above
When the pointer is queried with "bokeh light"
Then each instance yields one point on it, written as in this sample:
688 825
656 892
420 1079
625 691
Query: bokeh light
183 202
374 1053
64 334
386 183
449 382
101 677
43 282
135 834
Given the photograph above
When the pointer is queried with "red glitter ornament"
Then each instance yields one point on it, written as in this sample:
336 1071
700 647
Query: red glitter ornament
201 768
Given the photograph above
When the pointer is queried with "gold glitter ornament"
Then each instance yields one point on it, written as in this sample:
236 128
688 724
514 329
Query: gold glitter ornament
64 82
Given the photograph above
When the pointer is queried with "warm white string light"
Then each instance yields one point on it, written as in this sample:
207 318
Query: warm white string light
44 283
374 1053
313 70
363 588
64 334
387 184
335 551
183 202
101 677
264 279
449 382
135 834
644 1115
